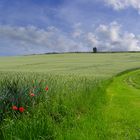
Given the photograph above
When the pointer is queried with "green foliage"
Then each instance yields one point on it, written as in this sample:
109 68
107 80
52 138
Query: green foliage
67 105
17 92
77 106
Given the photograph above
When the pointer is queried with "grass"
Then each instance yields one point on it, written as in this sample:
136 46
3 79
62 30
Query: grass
92 65
123 109
66 109
84 100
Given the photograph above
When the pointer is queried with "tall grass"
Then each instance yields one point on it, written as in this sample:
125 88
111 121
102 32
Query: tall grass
76 105
72 108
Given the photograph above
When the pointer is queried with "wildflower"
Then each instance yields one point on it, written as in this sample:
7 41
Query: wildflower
21 109
46 88
32 94
14 107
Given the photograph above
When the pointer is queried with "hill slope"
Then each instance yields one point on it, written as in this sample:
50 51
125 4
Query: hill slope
85 99
96 65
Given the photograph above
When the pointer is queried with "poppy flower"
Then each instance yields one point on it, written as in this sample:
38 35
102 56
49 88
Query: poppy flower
32 94
46 88
14 107
21 109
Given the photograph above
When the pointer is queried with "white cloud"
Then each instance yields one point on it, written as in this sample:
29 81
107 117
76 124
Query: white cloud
110 32
123 4
112 38
108 38
77 30
37 40
92 39
27 40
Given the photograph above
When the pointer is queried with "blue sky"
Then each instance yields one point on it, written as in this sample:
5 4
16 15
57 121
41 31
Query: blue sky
40 26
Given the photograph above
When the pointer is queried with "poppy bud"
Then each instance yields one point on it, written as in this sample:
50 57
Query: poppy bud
21 109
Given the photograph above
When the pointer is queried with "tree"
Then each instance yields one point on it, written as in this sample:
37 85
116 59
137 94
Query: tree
95 50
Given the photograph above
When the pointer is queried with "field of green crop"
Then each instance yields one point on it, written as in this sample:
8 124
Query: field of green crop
86 64
81 96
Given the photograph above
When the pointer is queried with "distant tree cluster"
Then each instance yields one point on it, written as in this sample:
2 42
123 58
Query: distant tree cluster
94 50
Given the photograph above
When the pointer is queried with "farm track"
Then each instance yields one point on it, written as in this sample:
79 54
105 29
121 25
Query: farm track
122 114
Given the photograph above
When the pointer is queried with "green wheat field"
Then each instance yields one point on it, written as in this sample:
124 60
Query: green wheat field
73 96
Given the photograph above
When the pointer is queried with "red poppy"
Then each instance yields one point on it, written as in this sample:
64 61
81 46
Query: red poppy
21 109
32 94
46 88
14 107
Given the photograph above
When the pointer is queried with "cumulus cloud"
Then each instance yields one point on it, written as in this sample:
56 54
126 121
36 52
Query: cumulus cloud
123 4
112 38
35 39
30 39
109 38
77 30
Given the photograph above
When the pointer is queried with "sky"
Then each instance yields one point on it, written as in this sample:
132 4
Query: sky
45 26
